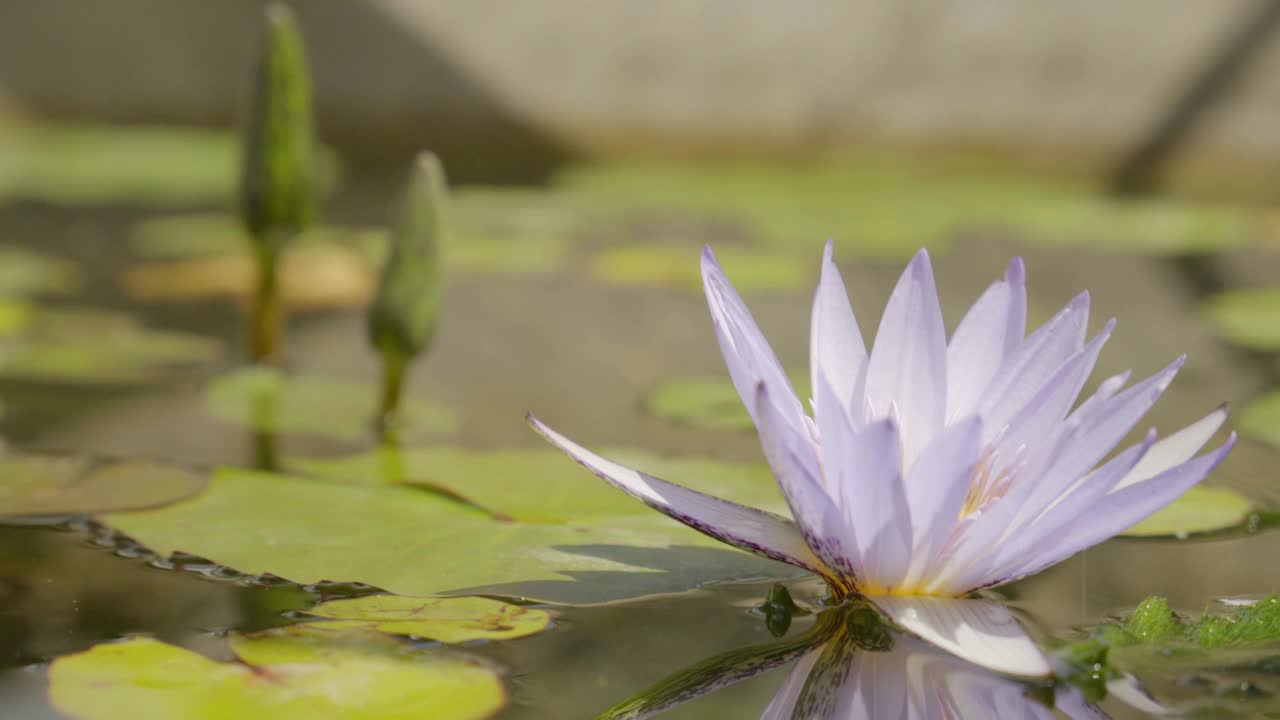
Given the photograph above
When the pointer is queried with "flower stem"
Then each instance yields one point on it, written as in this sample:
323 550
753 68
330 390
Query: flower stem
268 311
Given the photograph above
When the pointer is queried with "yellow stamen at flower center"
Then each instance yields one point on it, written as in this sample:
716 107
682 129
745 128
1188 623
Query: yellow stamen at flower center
988 483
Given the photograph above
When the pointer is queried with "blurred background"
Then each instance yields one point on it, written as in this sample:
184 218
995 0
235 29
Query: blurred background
593 147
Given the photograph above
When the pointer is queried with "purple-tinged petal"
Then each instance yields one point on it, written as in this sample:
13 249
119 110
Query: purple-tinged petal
1098 433
908 363
824 526
1105 391
1122 509
936 488
879 687
982 632
746 352
783 704
987 334
836 349
756 531
830 681
1027 369
1071 702
864 470
1177 448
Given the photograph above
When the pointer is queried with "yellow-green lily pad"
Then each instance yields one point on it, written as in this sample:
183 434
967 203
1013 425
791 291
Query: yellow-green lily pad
708 403
410 542
1250 318
85 345
447 619
204 235
61 485
300 672
1199 510
268 400
25 272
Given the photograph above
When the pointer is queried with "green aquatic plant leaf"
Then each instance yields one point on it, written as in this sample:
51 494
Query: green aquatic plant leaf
71 344
299 672
708 403
447 619
413 542
94 165
269 400
1260 419
1199 510
539 486
204 235
1163 650
25 272
1250 318
61 485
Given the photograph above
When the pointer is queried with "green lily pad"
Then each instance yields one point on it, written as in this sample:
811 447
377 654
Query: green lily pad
1199 510
99 164
268 400
203 235
60 485
447 620
1261 418
293 672
83 345
708 403
542 485
677 266
1250 318
24 272
410 542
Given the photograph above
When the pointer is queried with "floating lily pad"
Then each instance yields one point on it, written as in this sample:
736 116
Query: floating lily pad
417 543
1261 418
82 345
25 272
675 266
293 672
542 485
709 403
316 276
100 164
448 620
205 235
1199 510
57 485
268 400
1250 318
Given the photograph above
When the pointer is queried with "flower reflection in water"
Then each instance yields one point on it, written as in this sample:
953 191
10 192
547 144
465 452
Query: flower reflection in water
850 666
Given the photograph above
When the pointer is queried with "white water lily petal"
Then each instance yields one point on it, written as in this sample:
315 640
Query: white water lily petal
982 632
986 335
1176 448
1115 512
825 527
908 363
936 488
756 531
783 704
836 348
747 354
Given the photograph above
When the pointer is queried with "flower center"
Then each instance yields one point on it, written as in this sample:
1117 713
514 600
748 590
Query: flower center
990 481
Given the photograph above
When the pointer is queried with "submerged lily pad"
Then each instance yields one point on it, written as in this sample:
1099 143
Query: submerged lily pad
674 266
268 400
448 619
59 485
1199 510
417 543
1261 418
1250 318
709 403
299 672
70 344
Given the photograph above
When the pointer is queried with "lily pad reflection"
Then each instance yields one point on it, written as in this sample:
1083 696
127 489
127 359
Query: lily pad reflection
301 672
448 619
60 485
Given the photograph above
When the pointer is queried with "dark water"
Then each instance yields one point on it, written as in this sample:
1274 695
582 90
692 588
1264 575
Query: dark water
588 353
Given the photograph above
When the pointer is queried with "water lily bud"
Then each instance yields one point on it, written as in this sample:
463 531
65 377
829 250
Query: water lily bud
402 319
277 180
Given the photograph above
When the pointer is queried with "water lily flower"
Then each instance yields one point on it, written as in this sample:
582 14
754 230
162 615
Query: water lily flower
928 466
